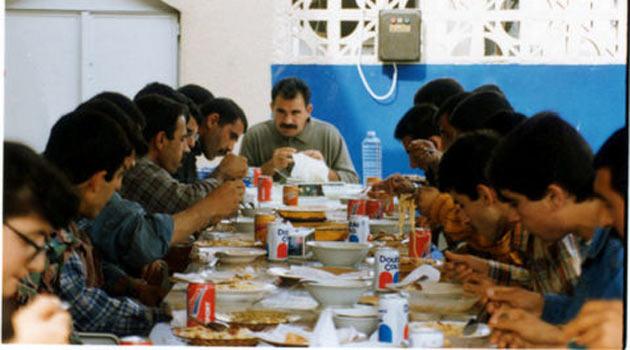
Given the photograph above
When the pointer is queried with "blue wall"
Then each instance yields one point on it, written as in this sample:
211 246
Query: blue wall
592 98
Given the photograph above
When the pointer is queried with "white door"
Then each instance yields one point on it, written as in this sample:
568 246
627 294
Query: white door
57 57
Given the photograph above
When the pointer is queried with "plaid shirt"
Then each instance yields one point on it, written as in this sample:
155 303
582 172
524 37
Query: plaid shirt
94 311
158 192
547 267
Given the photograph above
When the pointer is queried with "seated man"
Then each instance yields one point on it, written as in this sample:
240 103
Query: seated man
270 145
510 254
543 168
37 199
600 322
91 149
150 182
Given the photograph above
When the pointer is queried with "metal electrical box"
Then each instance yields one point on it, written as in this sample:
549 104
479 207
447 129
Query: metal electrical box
399 35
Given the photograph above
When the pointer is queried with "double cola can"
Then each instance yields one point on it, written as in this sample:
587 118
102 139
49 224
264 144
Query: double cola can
356 207
387 266
359 229
200 300
265 186
393 310
419 242
278 241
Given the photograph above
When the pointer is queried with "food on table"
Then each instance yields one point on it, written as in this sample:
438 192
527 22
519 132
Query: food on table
295 339
368 300
406 210
203 333
227 243
303 213
259 317
448 329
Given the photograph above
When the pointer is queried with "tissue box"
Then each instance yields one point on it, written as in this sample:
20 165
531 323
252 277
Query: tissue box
298 237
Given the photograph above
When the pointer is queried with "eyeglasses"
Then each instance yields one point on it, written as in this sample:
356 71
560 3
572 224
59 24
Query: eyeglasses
38 249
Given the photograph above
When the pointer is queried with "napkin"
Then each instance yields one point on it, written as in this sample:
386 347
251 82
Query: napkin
324 329
432 273
309 169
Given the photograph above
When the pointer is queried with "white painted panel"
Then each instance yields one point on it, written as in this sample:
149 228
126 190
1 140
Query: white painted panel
91 5
42 73
128 51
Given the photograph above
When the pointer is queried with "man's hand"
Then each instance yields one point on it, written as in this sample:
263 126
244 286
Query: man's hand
313 153
464 266
479 284
226 198
232 167
423 153
280 160
514 297
42 321
394 185
527 328
425 197
598 325
150 295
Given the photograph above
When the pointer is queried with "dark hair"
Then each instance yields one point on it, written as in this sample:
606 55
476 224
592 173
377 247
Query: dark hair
198 94
543 150
111 110
504 122
289 88
463 166
84 142
437 91
418 123
489 87
34 186
227 110
127 105
194 110
161 113
449 105
471 113
164 90
614 156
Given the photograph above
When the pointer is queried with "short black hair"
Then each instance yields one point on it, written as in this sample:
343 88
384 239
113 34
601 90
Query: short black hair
463 166
161 114
127 105
84 142
471 113
504 122
34 186
198 94
446 109
194 110
164 90
227 110
614 156
543 150
289 88
124 121
418 123
489 87
437 91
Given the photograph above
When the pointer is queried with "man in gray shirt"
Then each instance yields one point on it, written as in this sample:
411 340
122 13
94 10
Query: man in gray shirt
270 145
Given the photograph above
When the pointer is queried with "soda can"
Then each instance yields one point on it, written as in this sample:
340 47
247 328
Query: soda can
374 208
200 300
256 172
290 195
135 340
261 221
393 310
278 241
359 229
265 185
419 242
356 207
424 337
387 265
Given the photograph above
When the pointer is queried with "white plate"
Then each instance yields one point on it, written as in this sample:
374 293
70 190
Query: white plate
239 256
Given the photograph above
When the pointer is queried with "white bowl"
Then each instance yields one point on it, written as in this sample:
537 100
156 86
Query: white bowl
337 293
239 256
339 253
442 298
230 299
479 339
244 224
386 225
365 325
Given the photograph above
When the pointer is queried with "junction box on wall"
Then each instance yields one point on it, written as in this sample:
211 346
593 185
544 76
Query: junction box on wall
399 35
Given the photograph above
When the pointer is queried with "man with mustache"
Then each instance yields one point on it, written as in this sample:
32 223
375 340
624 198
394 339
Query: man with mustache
270 145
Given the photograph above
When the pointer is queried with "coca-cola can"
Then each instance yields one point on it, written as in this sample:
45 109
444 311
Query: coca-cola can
423 337
387 266
290 195
393 310
256 172
135 340
356 207
265 186
278 241
374 208
200 300
261 222
419 242
359 229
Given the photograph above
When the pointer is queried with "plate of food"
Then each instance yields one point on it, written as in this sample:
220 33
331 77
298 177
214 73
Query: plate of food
239 256
286 336
241 292
303 213
203 336
257 320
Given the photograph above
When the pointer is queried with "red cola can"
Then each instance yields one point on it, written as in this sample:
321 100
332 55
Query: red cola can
374 208
135 340
356 207
200 300
388 205
419 242
265 185
290 195
256 174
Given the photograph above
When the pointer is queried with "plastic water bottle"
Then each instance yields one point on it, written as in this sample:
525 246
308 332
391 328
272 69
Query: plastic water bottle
372 156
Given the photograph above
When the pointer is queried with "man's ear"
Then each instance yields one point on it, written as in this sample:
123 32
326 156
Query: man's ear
437 141
212 120
159 140
309 108
94 183
486 194
556 196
